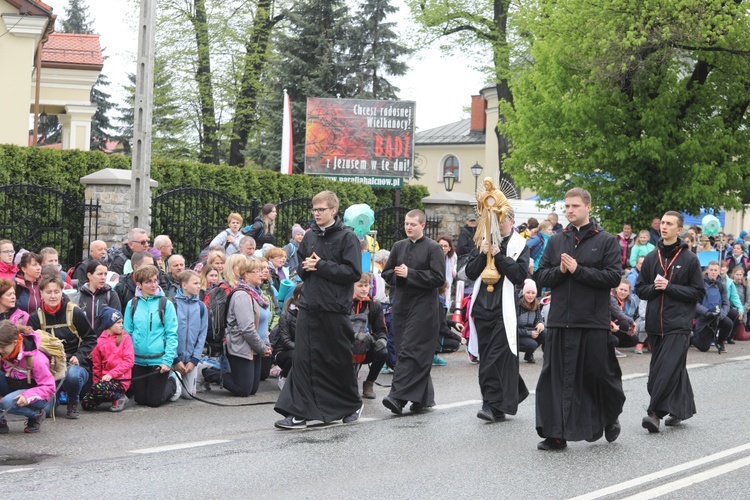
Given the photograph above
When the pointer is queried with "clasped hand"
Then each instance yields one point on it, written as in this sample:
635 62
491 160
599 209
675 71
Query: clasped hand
568 264
309 263
486 246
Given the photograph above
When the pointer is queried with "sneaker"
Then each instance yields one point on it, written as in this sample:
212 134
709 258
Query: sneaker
275 372
354 416
4 427
671 421
438 361
473 359
551 444
651 423
178 386
291 422
619 354
368 389
33 424
282 381
385 370
638 349
72 412
119 404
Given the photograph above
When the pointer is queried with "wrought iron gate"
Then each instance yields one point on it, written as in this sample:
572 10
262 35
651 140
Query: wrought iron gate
34 217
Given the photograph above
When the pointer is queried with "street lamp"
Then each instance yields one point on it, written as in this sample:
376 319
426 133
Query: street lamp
448 180
476 171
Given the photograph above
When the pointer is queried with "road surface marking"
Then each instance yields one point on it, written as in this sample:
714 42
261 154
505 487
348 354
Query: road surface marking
180 446
697 365
640 480
15 470
457 404
634 376
739 358
667 488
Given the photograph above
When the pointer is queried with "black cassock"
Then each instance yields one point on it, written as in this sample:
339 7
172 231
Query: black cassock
322 384
416 320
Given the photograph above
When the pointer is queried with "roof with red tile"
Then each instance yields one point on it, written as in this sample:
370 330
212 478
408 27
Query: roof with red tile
35 7
72 51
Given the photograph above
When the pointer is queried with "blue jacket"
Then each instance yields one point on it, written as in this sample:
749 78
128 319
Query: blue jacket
154 343
192 326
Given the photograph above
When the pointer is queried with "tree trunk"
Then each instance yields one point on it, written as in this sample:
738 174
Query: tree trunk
501 56
209 148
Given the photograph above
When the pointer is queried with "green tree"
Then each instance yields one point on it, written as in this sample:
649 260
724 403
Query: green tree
643 104
375 51
76 18
473 24
310 62
169 125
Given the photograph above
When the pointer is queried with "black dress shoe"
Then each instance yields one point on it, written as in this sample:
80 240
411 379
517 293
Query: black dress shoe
420 408
612 431
485 413
596 437
651 423
551 444
393 404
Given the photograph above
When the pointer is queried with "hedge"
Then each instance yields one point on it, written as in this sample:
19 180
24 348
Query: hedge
62 170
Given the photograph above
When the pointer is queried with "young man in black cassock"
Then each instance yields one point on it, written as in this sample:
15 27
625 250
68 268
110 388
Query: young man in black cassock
321 385
579 395
672 283
415 270
494 318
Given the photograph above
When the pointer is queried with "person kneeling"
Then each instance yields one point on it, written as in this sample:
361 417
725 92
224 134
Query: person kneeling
370 333
531 328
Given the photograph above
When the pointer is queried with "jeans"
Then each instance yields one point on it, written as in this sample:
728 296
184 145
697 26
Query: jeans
29 411
76 383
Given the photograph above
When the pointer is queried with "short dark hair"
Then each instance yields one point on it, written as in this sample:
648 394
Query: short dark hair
678 215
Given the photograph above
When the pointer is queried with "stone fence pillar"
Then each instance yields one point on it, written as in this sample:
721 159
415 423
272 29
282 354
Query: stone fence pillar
111 188
452 209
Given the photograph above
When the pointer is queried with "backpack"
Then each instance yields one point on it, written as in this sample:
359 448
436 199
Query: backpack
53 348
712 301
162 307
362 338
217 302
536 247
68 322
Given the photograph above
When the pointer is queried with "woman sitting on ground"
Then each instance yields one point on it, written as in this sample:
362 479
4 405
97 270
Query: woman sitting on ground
28 294
96 294
8 308
245 347
623 306
531 330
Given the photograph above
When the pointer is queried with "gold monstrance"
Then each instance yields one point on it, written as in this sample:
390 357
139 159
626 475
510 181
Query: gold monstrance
492 208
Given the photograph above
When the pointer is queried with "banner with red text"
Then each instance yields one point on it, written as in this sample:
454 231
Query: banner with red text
360 137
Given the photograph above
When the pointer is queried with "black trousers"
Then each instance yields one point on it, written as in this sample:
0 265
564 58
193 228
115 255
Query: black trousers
244 378
284 361
154 390
376 360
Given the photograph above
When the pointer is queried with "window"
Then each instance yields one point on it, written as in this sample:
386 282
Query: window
451 164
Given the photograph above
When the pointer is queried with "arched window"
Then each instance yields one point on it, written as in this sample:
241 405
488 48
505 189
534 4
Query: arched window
451 164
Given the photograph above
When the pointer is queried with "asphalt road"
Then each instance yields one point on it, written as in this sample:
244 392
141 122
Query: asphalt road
193 449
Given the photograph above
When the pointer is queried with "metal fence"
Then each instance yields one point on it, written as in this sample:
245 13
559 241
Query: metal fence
34 217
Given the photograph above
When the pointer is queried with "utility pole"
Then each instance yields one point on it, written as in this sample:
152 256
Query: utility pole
140 187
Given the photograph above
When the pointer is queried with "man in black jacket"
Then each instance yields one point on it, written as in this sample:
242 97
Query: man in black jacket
321 385
466 236
125 288
137 241
671 282
579 394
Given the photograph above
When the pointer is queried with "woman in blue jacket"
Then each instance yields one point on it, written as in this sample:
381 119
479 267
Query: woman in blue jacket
151 321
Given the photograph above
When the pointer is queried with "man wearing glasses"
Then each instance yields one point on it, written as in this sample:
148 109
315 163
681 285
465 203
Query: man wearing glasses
137 241
321 387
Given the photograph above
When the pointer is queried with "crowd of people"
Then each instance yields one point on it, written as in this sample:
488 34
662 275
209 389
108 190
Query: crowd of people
139 323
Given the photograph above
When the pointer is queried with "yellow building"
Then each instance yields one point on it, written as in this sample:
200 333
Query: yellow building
45 73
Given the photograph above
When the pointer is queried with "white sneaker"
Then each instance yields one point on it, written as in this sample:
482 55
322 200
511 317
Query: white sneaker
282 381
178 385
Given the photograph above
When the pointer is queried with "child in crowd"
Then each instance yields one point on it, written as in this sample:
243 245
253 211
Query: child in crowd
26 383
192 326
230 237
291 249
112 362
283 347
447 340
642 247
50 258
151 320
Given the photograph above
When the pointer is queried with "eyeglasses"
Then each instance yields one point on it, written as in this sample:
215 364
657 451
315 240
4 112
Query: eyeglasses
320 210
7 251
154 281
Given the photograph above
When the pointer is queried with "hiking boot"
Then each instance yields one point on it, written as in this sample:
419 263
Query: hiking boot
552 444
671 421
438 361
72 412
638 349
529 357
651 423
354 416
4 427
612 431
368 389
291 422
119 404
33 424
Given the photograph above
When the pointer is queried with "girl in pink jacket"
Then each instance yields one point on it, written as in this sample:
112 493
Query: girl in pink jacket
24 392
112 361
